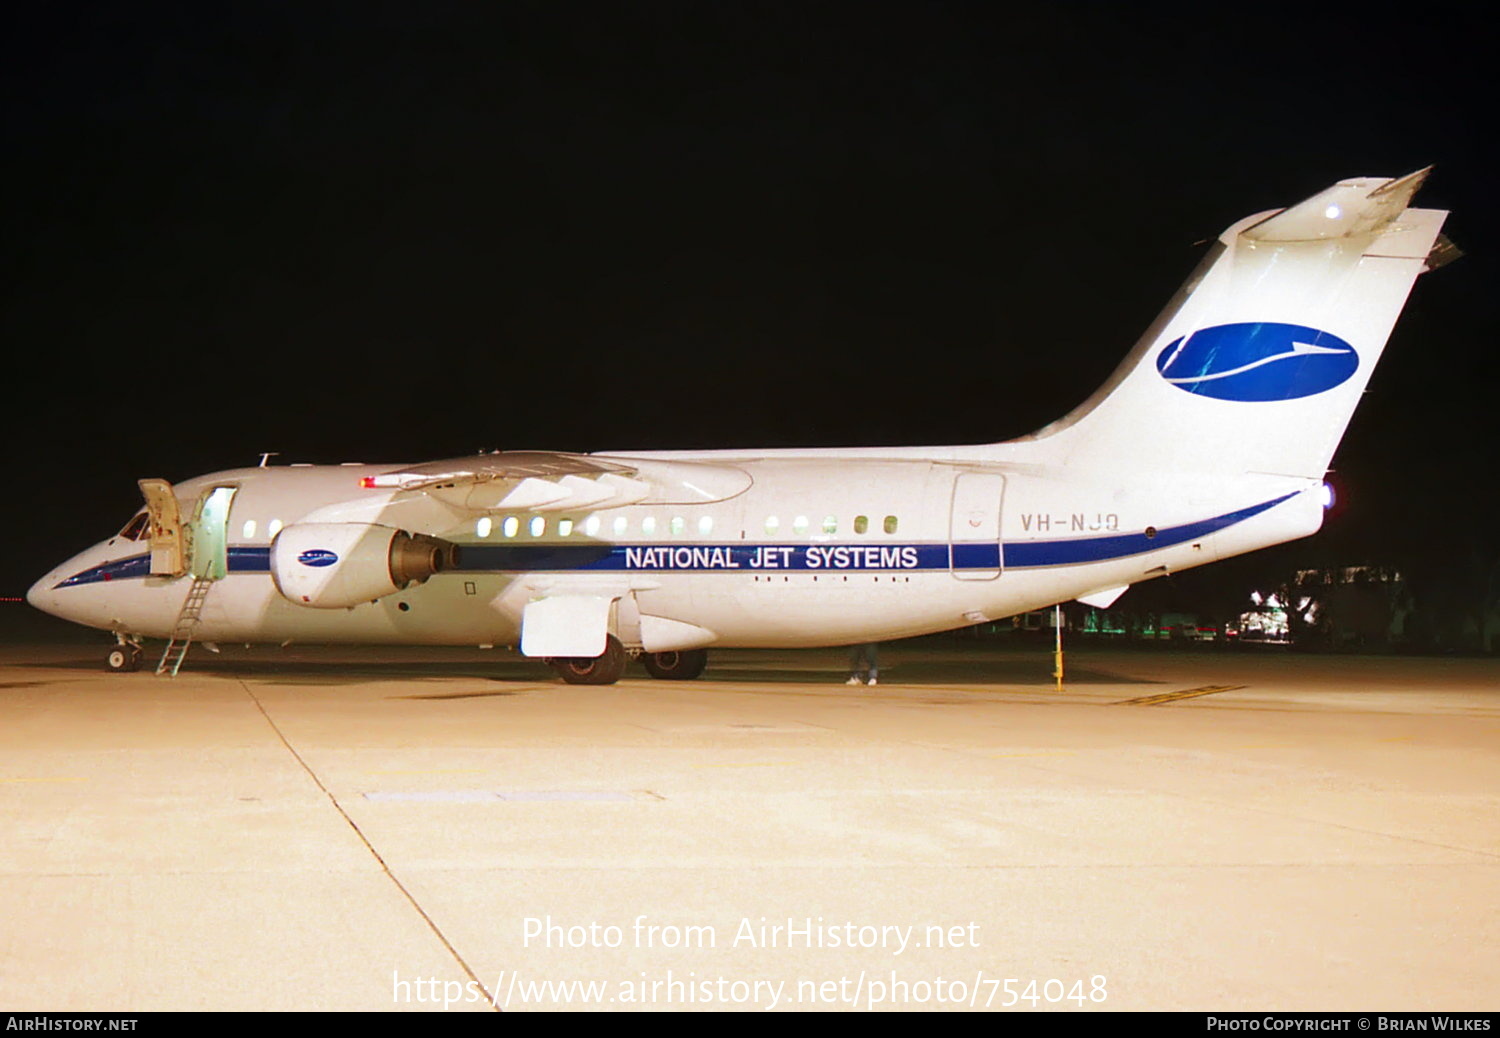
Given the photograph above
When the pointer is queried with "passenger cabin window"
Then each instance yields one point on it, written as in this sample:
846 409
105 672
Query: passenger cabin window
861 523
890 524
138 529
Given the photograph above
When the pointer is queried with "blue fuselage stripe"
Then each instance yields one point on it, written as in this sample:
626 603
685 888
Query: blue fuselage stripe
596 556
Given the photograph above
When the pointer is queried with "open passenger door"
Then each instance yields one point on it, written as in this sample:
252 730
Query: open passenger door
170 539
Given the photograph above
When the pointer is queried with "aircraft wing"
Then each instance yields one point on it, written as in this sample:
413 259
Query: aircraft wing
544 481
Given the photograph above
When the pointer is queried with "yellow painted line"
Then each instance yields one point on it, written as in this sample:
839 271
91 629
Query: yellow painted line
59 778
751 764
1057 753
1172 697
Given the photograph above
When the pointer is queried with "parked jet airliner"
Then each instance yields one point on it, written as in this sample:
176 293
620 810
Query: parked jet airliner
1211 439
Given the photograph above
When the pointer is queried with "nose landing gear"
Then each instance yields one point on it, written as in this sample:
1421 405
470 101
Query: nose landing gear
124 657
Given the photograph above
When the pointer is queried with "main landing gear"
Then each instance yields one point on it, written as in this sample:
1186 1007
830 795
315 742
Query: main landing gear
675 666
598 670
608 668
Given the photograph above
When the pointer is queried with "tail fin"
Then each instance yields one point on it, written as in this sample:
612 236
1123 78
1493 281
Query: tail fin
1258 362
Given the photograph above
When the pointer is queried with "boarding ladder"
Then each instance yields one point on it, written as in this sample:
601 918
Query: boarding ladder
187 623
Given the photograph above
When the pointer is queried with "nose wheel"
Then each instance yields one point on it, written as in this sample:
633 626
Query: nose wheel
123 659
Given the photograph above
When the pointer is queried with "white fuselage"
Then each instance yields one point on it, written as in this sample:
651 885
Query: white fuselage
821 548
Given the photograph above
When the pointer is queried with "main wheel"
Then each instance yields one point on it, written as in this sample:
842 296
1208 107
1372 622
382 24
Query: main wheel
597 670
123 660
676 666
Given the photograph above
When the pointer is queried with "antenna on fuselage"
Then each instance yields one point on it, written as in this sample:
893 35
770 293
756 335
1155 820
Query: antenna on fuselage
265 458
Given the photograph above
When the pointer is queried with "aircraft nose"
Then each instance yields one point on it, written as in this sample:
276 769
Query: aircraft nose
42 596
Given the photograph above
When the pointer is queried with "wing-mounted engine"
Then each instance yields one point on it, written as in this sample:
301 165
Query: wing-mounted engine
539 481
340 565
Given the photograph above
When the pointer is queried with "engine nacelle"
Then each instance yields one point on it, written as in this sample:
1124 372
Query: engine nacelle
340 565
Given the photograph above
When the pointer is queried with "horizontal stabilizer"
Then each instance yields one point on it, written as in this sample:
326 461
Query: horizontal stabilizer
1348 209
1443 253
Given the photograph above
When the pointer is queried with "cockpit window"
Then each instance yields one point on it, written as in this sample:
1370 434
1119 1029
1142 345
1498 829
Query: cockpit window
138 529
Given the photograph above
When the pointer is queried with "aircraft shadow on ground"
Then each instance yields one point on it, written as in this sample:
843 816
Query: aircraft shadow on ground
323 672
945 672
936 660
982 672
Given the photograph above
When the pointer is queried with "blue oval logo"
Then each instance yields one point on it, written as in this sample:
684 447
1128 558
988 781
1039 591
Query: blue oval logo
317 557
1257 361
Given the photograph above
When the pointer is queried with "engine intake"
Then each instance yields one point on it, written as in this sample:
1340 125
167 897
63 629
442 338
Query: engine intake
340 565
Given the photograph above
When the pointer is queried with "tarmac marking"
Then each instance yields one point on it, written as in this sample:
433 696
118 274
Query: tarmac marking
47 778
1053 753
1172 697
750 764
479 695
432 771
385 867
478 796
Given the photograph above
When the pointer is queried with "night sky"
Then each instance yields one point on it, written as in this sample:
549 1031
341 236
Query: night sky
401 232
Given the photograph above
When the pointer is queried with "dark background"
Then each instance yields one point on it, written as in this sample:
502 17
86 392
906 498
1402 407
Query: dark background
399 232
